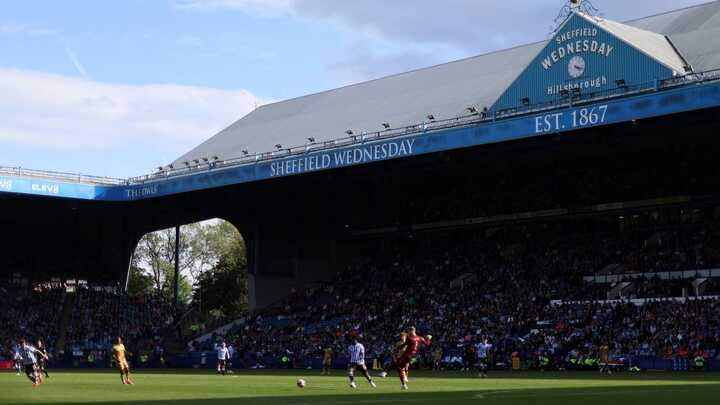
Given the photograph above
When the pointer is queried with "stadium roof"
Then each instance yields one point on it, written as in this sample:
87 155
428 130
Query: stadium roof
651 43
446 90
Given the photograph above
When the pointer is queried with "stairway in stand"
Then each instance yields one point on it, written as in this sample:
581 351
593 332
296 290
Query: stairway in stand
68 306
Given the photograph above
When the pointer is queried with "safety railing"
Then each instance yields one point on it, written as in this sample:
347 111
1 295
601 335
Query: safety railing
213 163
61 176
571 97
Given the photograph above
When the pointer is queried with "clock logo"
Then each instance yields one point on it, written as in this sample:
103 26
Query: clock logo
576 67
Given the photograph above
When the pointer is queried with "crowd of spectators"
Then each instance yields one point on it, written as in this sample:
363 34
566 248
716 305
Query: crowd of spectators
29 312
523 286
94 317
100 316
513 285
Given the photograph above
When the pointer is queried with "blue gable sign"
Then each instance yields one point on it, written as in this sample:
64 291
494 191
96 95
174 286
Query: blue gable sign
582 55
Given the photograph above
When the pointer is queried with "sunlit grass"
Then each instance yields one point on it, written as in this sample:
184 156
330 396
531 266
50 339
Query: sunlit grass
268 387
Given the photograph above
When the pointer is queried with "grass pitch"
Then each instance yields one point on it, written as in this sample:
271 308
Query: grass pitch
269 387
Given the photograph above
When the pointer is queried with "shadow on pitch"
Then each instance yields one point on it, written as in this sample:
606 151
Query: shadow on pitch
646 394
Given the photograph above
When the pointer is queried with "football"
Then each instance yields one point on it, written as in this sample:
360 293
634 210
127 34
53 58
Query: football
301 383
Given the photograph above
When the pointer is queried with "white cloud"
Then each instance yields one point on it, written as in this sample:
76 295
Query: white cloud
467 24
473 25
425 32
368 62
51 111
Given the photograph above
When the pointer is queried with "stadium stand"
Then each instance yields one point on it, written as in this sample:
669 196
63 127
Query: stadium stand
527 293
550 242
96 316
532 288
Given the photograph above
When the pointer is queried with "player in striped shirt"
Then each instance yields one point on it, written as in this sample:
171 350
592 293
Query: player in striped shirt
357 362
17 358
30 362
483 355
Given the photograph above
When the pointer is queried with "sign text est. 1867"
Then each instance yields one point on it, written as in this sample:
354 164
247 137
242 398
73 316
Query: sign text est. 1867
581 117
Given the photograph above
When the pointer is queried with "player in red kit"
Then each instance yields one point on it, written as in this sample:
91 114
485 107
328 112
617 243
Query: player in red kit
412 344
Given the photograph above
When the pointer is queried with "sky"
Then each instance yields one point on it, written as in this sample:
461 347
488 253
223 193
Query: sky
119 88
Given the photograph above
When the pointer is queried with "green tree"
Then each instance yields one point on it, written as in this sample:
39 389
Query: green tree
156 254
139 283
205 248
222 290
210 242
185 289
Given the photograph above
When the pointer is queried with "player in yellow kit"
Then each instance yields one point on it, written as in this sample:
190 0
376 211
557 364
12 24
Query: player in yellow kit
327 360
119 353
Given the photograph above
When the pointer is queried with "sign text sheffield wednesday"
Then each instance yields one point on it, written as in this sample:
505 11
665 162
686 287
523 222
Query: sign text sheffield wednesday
357 155
576 42
577 46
